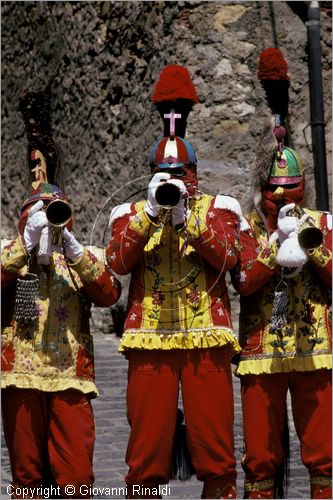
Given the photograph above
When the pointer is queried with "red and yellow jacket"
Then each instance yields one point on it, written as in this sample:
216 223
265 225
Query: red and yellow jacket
178 297
304 343
56 352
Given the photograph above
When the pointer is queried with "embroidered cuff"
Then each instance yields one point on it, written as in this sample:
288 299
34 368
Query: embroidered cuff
14 256
88 267
267 484
320 255
320 480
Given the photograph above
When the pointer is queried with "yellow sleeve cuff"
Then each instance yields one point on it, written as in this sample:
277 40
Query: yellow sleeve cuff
88 267
320 256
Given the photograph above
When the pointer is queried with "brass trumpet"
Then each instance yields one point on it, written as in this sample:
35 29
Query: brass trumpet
167 195
309 235
58 213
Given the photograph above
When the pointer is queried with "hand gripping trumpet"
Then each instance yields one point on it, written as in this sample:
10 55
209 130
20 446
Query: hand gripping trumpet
309 235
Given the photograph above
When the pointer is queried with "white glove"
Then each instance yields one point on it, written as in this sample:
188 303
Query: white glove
290 253
286 223
179 211
273 237
72 248
36 221
152 208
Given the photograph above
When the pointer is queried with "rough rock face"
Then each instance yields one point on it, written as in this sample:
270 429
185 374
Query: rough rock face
101 60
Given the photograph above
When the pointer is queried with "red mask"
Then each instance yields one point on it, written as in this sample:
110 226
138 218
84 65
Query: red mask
272 201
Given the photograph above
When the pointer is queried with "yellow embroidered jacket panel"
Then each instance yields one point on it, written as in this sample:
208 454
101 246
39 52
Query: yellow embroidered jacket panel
55 352
305 342
178 297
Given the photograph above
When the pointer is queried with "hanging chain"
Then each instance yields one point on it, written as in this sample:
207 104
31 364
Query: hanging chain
280 306
27 289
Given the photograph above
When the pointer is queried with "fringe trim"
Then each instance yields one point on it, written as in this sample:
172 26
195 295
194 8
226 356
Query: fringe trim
179 340
274 365
33 381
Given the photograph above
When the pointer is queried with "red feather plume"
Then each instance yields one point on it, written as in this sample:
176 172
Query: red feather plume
272 65
174 83
272 73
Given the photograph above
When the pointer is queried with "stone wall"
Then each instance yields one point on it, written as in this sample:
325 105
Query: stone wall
101 60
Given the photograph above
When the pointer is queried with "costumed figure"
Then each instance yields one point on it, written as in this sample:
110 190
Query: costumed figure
284 276
177 245
49 281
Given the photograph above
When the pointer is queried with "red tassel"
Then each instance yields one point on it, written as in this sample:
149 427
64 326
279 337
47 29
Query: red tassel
174 83
272 65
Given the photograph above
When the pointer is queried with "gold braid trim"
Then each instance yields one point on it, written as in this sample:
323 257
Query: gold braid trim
321 481
267 484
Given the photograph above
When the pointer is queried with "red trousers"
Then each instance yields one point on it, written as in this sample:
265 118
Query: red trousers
50 439
152 400
264 401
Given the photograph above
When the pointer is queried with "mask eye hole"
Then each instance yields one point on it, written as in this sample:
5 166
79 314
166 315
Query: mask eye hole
273 187
177 172
270 187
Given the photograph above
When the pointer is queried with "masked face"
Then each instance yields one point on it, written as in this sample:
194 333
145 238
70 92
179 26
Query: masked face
176 156
286 193
47 193
274 197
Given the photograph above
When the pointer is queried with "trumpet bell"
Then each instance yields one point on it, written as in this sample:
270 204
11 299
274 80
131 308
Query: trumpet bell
310 237
58 213
167 195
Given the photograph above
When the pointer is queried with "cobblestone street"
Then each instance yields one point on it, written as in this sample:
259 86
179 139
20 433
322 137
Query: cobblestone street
112 433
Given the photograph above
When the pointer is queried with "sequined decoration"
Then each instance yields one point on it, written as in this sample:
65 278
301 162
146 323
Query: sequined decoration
280 307
25 302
